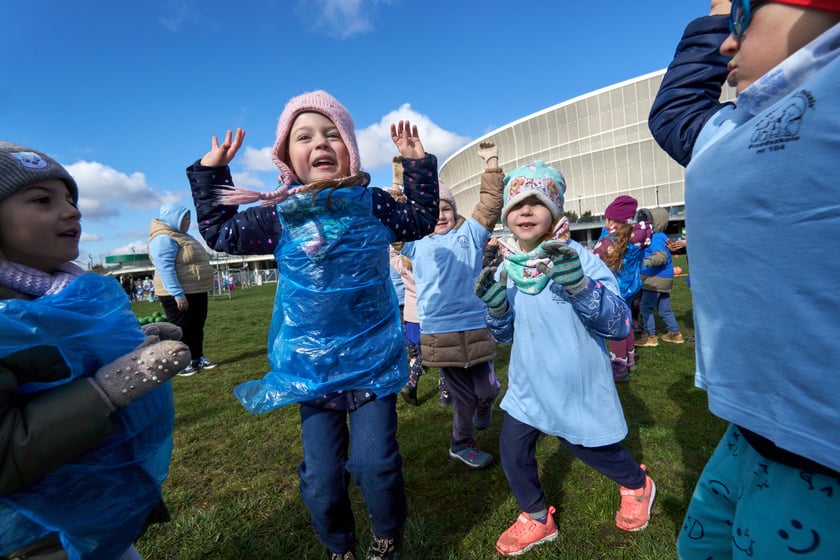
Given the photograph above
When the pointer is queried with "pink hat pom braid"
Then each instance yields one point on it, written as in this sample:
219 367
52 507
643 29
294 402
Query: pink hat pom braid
234 196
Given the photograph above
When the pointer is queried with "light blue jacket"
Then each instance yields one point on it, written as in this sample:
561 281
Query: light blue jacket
762 193
163 250
445 269
560 379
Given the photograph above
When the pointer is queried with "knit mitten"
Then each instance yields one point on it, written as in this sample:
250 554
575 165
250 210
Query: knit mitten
564 267
493 293
163 330
489 152
398 171
139 371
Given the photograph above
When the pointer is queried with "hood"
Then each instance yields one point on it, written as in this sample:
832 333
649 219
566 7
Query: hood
660 219
172 214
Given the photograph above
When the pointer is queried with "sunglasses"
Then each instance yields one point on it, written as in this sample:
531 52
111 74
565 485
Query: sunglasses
740 16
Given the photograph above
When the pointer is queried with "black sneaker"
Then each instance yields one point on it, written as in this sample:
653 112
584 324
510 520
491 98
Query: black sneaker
349 555
190 370
383 549
409 393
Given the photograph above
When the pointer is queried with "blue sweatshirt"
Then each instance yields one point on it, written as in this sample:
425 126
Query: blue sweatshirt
761 185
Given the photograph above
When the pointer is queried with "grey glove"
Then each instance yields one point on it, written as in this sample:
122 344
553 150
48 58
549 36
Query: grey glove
139 371
163 330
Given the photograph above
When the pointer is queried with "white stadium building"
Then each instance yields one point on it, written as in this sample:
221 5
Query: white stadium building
601 143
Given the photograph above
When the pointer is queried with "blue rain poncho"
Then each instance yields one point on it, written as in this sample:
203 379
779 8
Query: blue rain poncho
99 501
335 324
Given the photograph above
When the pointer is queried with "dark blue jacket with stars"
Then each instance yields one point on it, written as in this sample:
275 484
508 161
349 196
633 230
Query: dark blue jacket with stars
335 339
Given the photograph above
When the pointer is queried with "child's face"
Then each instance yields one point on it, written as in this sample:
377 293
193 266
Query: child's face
316 149
775 32
39 226
529 222
446 218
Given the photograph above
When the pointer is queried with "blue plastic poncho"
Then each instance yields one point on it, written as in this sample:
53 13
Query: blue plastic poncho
335 324
99 501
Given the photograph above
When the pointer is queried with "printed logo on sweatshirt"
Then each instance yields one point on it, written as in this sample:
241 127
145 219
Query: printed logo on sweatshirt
782 125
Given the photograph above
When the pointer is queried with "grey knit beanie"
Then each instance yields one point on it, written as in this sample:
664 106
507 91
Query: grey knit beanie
21 166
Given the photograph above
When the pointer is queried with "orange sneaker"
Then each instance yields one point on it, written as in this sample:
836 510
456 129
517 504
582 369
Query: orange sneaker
526 533
634 514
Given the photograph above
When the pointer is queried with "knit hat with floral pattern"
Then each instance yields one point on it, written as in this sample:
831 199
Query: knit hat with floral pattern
535 179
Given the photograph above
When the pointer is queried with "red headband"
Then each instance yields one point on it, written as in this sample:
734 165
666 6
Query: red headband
827 5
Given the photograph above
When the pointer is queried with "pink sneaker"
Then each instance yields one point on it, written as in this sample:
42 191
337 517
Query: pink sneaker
634 514
526 533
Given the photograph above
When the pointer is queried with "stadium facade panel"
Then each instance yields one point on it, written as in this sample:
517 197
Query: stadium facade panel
601 143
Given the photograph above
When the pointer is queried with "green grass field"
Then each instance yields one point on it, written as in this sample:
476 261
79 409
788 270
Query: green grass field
233 487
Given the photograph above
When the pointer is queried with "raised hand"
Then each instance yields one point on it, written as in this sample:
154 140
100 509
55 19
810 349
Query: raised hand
493 293
489 153
222 154
405 137
563 267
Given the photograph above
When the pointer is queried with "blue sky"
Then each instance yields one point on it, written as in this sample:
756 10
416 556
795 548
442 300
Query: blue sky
127 94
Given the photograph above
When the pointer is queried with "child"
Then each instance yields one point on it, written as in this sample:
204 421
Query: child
453 336
762 171
556 302
335 340
657 275
411 322
183 276
87 415
622 250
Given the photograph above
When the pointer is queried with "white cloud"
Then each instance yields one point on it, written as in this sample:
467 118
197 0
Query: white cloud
377 149
340 18
254 159
108 192
177 14
135 247
248 180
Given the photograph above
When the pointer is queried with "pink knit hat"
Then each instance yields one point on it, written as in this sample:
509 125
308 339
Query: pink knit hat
445 194
313 102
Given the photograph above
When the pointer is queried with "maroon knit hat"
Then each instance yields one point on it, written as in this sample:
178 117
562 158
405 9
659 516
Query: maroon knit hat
313 102
622 209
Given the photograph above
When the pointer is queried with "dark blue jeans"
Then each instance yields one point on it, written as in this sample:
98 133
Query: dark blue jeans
367 450
518 447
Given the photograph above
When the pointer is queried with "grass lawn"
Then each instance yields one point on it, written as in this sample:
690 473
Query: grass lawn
233 486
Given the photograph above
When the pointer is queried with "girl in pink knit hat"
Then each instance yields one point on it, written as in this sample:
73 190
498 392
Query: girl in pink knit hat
335 340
